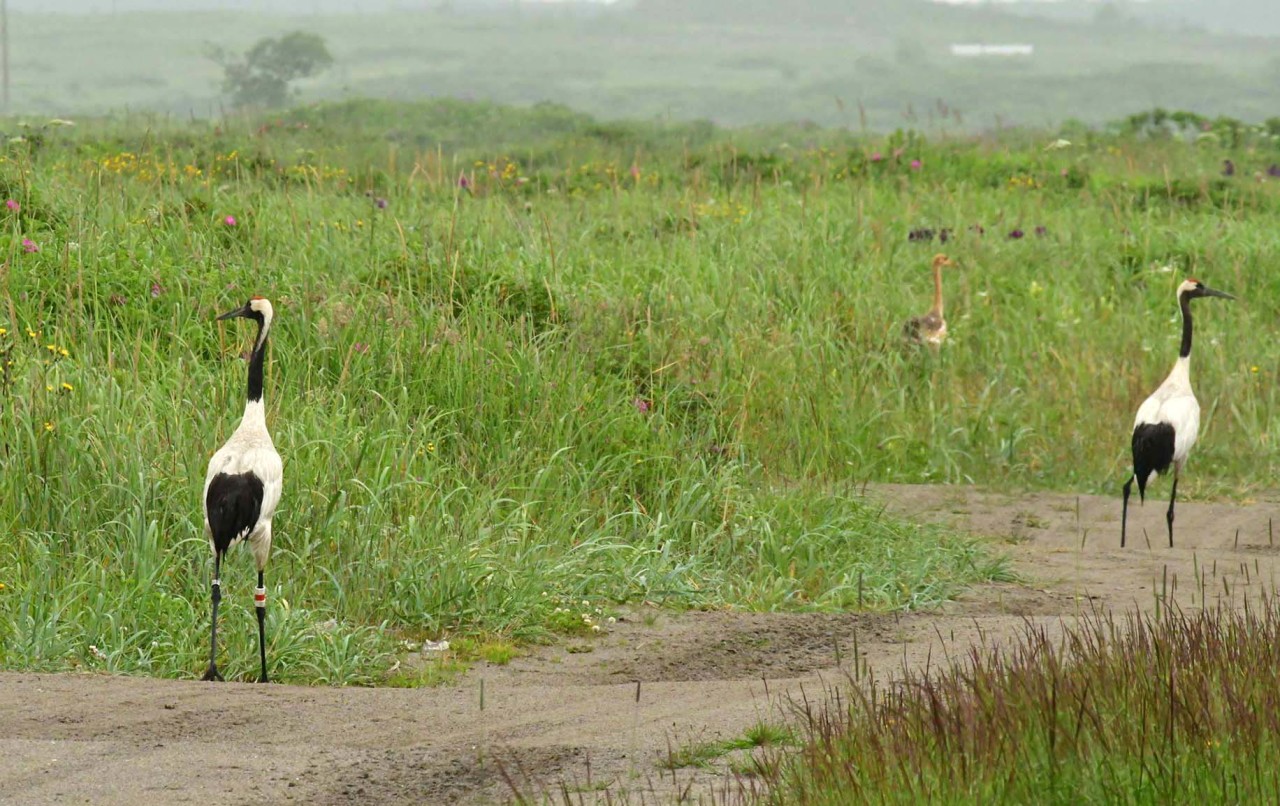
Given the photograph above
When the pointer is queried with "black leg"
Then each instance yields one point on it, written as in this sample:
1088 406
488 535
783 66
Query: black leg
260 604
1124 513
1172 496
212 672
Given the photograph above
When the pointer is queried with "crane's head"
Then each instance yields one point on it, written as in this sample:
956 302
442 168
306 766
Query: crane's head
1192 288
941 260
257 309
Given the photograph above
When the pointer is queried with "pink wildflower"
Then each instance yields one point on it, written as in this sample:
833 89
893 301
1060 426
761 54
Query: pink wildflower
13 205
915 165
29 245
230 221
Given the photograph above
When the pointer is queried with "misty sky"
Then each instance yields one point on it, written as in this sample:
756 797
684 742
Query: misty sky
877 63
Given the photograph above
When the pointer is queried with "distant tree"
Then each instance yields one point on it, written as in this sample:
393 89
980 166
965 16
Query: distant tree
262 75
1110 15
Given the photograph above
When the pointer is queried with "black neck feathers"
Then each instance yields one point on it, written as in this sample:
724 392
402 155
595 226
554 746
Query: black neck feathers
256 361
1184 302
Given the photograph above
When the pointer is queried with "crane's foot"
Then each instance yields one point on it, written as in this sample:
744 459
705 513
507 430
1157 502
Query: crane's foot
212 674
263 679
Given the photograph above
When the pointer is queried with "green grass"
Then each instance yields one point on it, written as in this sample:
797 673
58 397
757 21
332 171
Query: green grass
1170 708
571 381
492 405
703 753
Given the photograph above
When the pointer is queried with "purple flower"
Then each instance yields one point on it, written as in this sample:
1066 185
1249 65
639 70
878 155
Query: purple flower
922 234
463 182
13 205
29 245
1016 234
876 156
156 290
915 165
641 405
230 221
380 203
1041 231
1228 168
1274 171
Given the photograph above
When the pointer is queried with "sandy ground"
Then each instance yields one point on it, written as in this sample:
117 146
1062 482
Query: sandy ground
566 721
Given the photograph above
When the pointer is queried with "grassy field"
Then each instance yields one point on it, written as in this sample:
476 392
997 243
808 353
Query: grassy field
550 361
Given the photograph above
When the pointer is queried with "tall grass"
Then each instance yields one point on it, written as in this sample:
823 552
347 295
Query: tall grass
1168 708
624 363
480 406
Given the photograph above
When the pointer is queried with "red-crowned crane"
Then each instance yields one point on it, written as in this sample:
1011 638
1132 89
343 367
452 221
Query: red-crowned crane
930 328
1169 420
243 486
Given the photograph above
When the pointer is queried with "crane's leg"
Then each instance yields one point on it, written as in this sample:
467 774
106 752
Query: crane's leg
212 672
260 605
1124 512
1172 496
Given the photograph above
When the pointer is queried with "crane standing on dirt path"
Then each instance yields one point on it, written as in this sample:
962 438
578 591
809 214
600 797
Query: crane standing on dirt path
930 328
1169 420
242 487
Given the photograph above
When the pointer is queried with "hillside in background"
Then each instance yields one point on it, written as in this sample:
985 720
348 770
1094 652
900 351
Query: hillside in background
854 63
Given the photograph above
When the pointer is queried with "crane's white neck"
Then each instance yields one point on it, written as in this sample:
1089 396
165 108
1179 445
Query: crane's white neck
1181 373
262 331
255 416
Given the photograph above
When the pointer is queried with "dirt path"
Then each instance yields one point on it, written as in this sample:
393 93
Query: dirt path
568 716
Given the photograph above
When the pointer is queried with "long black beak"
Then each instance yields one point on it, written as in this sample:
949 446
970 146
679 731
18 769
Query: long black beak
1210 292
243 310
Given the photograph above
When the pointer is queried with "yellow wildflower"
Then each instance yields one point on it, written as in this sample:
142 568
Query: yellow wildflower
48 426
66 387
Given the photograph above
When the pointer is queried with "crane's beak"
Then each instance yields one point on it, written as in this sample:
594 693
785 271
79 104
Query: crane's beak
243 310
1210 292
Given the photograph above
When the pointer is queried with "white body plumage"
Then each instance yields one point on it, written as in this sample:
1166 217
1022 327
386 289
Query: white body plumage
250 450
1173 403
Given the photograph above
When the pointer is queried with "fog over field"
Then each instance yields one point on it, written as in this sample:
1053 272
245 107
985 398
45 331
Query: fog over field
857 63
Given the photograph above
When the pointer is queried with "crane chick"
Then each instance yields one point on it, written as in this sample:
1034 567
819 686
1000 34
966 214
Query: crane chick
242 487
1169 420
931 328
